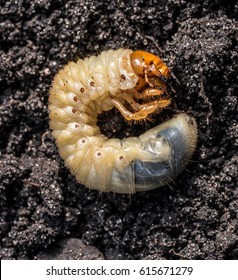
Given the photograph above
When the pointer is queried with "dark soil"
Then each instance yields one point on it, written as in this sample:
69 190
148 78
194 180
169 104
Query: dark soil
41 202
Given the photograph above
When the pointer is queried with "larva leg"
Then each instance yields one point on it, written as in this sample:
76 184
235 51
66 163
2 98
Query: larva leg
149 92
158 88
163 103
146 93
146 109
135 105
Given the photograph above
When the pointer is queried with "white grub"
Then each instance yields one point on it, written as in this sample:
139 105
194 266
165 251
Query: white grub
81 91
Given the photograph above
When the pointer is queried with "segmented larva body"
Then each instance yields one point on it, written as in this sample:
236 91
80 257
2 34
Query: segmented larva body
81 91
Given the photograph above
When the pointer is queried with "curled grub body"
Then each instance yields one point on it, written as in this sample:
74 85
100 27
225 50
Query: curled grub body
83 89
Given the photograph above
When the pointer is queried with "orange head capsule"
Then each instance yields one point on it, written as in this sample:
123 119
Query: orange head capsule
145 63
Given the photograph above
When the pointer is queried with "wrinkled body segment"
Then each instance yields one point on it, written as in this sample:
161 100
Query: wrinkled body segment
83 89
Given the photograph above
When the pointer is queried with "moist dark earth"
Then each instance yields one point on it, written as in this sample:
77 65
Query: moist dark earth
45 213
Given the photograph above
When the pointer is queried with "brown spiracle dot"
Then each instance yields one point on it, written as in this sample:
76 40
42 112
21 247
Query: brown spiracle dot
77 125
123 77
120 157
92 84
82 89
76 98
74 111
99 154
83 141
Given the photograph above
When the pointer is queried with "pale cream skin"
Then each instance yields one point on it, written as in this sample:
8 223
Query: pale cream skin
81 91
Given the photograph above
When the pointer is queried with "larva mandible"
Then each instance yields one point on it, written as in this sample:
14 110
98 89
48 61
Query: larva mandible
83 89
